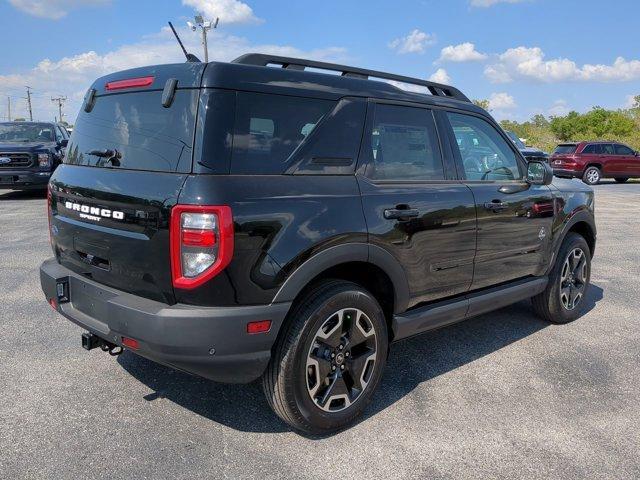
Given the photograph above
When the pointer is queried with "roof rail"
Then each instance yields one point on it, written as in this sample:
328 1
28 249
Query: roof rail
289 63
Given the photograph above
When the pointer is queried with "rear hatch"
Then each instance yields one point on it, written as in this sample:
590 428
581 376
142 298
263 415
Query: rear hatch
127 160
564 151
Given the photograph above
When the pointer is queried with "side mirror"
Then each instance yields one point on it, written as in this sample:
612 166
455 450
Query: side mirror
63 143
539 173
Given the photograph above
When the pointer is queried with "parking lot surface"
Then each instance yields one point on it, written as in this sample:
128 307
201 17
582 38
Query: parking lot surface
504 395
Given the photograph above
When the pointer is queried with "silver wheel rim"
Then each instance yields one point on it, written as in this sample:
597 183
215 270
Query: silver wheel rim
341 360
573 279
593 176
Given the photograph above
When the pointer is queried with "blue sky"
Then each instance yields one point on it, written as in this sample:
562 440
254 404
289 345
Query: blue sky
527 56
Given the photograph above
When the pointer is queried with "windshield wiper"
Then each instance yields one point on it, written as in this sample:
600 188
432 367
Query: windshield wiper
112 156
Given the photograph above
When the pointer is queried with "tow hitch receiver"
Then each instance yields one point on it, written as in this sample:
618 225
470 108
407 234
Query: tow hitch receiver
91 341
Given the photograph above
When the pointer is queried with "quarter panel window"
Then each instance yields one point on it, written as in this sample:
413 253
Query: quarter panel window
485 154
404 145
269 128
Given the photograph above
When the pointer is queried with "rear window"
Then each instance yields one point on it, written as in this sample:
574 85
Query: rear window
134 131
269 128
565 149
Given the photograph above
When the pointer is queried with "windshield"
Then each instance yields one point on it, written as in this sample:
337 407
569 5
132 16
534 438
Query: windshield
516 140
565 149
26 132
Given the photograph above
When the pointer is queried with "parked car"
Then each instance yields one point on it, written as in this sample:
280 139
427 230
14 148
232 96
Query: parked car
593 161
239 221
530 153
29 153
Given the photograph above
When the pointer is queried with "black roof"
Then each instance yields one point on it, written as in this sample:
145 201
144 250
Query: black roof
297 77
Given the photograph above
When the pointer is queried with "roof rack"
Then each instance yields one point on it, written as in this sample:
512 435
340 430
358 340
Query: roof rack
289 63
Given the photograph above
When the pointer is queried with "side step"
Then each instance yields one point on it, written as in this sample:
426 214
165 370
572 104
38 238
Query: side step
455 310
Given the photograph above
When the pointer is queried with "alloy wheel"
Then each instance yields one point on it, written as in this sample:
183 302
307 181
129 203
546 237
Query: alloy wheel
573 279
593 175
341 360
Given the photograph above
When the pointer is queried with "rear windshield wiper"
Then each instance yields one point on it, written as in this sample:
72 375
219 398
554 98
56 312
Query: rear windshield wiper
111 156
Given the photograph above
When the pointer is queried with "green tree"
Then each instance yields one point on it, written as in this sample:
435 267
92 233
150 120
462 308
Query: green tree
482 103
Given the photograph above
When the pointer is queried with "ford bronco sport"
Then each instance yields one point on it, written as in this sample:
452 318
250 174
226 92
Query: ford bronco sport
262 219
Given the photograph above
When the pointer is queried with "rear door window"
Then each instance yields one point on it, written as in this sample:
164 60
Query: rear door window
607 149
134 131
592 149
269 128
404 145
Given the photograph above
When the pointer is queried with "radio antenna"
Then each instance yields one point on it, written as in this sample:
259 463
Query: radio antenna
190 56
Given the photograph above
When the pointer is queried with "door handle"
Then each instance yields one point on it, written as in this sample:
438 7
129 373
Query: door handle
496 206
400 213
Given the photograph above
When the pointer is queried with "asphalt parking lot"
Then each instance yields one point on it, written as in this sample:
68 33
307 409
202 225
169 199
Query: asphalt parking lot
504 395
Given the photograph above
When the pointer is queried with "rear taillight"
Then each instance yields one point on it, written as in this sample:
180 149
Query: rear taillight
201 243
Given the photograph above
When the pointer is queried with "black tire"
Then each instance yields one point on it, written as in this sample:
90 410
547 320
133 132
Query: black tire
592 176
288 377
550 304
621 180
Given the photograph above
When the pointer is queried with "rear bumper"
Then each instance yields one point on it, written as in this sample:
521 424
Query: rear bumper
564 172
23 180
180 336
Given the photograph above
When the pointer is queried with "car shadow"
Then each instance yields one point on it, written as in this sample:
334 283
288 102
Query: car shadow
23 194
420 359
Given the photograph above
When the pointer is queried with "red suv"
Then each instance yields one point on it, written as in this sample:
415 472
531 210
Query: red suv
593 161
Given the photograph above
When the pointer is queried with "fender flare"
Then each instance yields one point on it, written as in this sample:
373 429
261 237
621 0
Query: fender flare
350 252
584 216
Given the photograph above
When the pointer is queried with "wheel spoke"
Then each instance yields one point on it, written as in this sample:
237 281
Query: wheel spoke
358 368
331 332
337 389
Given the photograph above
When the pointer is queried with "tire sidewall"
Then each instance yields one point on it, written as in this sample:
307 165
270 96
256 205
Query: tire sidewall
355 298
558 310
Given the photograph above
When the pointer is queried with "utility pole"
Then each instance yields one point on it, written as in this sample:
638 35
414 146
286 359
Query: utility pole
29 104
205 26
9 109
60 101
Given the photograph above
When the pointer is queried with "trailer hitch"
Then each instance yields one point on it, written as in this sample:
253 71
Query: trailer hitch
91 341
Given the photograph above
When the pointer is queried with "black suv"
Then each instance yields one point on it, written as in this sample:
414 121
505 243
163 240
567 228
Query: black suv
262 219
29 153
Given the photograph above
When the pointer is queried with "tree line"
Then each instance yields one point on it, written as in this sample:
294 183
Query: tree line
621 125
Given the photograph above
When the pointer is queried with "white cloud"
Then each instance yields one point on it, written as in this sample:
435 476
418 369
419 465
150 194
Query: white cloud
440 76
415 42
71 76
501 101
229 11
559 109
54 9
491 3
464 52
530 63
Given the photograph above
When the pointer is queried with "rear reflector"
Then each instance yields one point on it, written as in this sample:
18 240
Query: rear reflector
52 302
130 343
262 326
129 83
